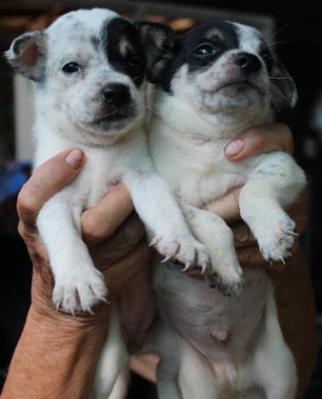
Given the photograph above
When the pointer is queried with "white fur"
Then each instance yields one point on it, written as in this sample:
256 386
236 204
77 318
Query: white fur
65 109
211 346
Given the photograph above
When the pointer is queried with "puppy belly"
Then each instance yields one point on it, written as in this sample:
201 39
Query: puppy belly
221 328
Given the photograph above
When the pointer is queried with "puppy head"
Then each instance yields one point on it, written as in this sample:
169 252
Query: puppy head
90 67
225 67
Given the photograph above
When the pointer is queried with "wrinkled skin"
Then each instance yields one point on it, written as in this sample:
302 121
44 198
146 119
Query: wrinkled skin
116 240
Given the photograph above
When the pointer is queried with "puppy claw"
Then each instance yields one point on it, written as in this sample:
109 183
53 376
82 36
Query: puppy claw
204 267
186 267
106 300
166 259
290 232
80 292
155 241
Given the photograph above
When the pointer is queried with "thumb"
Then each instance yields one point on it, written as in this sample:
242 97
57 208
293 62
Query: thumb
47 180
259 140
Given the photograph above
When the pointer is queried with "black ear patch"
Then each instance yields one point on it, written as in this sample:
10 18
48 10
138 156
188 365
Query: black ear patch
27 55
122 45
158 43
284 92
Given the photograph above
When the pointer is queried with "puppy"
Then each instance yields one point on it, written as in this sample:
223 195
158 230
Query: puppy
222 80
89 71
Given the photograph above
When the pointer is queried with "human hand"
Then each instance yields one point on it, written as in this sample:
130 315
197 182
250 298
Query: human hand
255 141
68 347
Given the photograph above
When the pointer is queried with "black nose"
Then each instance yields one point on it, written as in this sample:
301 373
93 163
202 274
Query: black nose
116 94
247 62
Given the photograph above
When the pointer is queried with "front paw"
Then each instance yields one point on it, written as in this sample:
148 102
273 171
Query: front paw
185 250
277 239
79 292
228 288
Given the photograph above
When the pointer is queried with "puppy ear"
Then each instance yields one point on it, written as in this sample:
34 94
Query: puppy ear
27 55
158 43
284 90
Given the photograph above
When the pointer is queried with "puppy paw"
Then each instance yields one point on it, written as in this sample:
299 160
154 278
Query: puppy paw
276 240
227 287
188 251
79 292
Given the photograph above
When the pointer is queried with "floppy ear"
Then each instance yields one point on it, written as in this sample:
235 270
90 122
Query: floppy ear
27 55
158 44
284 91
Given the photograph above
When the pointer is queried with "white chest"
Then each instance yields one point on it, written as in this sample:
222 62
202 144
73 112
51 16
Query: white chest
104 165
198 173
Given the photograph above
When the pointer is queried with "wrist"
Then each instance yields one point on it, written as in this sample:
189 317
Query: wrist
56 356
47 315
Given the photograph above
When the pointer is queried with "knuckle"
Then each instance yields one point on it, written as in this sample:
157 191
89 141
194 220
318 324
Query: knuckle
92 228
244 256
25 232
235 195
242 234
287 137
21 229
134 230
26 206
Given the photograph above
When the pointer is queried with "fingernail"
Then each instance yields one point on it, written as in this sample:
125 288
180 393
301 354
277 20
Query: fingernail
234 148
75 158
242 235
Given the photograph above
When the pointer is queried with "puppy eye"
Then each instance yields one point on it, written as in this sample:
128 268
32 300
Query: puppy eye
206 49
134 61
71 67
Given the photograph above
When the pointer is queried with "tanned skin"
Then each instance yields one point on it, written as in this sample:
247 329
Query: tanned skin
57 354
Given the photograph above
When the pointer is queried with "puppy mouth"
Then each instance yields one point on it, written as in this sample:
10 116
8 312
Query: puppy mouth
114 115
239 85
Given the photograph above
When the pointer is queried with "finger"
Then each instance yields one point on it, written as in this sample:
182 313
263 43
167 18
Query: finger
100 222
226 207
298 212
128 268
252 257
145 366
123 241
138 306
260 139
47 180
243 237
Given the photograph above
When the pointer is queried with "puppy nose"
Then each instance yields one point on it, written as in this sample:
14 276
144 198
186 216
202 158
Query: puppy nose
247 62
116 94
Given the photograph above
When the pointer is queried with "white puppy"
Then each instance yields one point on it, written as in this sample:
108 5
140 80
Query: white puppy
89 71
223 79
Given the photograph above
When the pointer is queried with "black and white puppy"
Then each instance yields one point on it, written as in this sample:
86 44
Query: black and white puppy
222 80
89 71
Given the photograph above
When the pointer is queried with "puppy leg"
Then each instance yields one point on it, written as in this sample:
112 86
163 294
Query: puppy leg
121 385
224 272
78 284
160 212
162 340
196 378
275 182
167 380
274 366
112 371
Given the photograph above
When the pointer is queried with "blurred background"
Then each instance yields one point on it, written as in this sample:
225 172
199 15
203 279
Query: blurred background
296 34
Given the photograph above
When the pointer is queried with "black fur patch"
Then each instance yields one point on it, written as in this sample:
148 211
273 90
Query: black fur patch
221 34
132 62
267 56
